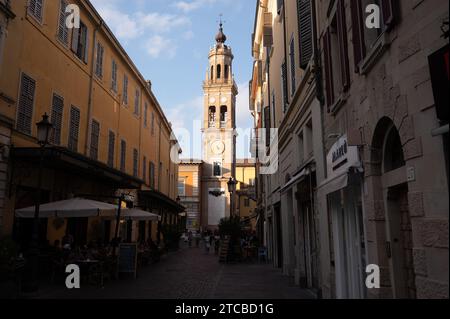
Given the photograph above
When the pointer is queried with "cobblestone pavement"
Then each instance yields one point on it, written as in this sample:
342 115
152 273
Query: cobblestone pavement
190 274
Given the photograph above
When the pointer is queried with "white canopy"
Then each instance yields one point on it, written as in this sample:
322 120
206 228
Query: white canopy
70 208
137 214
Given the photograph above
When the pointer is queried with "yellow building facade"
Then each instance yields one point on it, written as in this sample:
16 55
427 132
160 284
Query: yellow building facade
190 192
245 193
110 133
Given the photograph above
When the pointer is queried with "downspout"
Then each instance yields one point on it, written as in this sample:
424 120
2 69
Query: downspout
87 146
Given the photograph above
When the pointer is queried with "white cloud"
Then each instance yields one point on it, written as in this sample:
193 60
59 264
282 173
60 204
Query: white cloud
158 45
188 35
188 6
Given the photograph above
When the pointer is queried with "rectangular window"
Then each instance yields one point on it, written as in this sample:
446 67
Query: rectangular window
80 42
153 123
26 104
274 104
95 135
246 202
125 89
181 187
36 8
279 5
111 148
114 76
123 154
145 114
74 129
337 73
267 125
292 58
217 169
305 31
144 169
284 86
152 174
63 31
57 118
99 60
301 148
137 100
135 162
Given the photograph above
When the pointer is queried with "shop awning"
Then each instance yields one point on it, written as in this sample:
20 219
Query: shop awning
138 214
336 183
70 208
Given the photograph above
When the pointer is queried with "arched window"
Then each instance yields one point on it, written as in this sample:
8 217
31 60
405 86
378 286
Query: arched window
227 71
223 113
219 71
212 72
212 116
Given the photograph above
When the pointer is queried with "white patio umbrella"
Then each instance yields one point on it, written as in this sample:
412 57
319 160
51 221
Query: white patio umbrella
137 214
70 208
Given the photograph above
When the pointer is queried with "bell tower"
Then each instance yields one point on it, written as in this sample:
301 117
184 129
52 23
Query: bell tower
219 126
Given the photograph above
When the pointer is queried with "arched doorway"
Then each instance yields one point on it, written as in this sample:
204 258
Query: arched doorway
387 150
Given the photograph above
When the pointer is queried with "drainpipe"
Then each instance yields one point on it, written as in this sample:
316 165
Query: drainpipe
87 146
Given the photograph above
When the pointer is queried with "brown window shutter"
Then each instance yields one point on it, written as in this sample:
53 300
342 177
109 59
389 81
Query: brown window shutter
305 31
343 45
328 70
389 11
359 49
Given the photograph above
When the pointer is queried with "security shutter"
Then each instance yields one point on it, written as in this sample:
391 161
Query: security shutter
99 61
74 129
95 134
63 31
305 31
152 175
35 8
25 107
57 118
125 85
111 147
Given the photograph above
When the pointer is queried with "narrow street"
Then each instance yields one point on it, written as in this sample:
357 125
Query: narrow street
190 274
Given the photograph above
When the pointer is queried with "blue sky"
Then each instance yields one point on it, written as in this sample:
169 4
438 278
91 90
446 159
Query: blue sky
169 41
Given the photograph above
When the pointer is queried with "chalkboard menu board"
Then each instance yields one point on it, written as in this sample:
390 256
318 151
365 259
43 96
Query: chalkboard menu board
128 258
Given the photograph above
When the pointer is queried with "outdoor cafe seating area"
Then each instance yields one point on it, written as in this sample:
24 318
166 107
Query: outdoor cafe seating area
98 260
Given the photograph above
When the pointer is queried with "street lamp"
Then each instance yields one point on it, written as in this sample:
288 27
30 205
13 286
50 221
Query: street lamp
231 189
44 131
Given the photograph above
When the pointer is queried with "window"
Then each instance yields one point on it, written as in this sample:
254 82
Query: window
125 90
114 77
274 104
36 8
305 32
246 202
301 148
308 131
219 71
99 60
251 182
144 169
365 38
153 123
123 154
152 174
95 134
63 31
74 129
135 162
137 98
80 42
217 169
267 124
111 147
181 187
223 116
337 73
145 114
57 118
279 5
212 116
284 86
227 72
26 104
292 58
212 73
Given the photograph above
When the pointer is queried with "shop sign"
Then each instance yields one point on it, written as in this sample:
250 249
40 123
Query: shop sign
341 157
